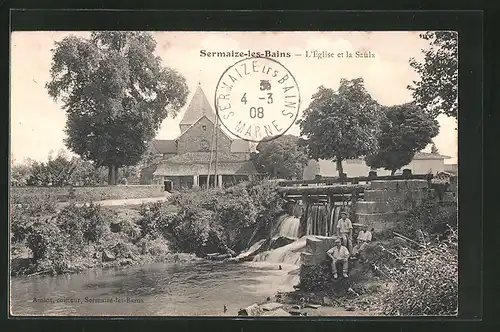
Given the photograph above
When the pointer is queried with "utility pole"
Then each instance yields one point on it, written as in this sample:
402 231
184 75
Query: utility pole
216 180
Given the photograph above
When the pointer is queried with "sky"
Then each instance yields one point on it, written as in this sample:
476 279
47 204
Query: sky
38 122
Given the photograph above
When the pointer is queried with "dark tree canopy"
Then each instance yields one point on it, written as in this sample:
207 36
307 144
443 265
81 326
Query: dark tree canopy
405 130
437 90
282 157
341 124
116 93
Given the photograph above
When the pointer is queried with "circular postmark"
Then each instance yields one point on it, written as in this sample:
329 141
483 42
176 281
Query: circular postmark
257 99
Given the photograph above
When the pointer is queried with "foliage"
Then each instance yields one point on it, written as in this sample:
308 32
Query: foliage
434 149
437 90
115 93
269 204
63 171
426 279
429 217
281 157
20 174
55 172
25 210
47 242
212 220
405 129
341 124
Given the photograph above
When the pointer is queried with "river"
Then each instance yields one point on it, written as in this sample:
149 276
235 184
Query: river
187 289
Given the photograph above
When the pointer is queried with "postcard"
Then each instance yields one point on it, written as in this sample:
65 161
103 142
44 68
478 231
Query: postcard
292 173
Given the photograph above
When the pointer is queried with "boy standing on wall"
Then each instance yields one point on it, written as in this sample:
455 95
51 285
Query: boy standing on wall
344 230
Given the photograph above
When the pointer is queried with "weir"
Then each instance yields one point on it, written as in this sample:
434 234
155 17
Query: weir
308 229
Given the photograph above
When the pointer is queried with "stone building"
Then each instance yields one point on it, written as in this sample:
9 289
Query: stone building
184 162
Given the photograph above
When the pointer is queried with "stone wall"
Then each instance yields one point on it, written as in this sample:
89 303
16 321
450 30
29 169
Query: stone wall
96 193
191 141
388 201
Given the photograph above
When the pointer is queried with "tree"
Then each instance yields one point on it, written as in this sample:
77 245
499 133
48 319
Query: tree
434 149
341 124
437 90
115 93
20 174
281 157
56 171
405 130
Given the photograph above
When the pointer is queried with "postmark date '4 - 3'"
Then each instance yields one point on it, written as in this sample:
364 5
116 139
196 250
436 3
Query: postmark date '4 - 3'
257 99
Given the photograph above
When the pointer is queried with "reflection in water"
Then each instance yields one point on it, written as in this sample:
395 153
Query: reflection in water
198 288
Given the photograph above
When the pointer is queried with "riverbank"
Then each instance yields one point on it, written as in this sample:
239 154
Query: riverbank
359 296
24 266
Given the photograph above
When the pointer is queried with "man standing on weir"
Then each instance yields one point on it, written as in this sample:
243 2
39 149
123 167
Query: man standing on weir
344 230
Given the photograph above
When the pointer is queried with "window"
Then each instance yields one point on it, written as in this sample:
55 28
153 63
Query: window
204 128
204 145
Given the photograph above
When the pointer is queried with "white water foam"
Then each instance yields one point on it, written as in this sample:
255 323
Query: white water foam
289 254
288 227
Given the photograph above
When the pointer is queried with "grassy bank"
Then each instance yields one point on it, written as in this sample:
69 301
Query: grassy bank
47 240
190 224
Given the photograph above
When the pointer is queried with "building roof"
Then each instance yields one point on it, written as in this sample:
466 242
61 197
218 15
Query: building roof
240 145
427 155
204 158
198 107
163 146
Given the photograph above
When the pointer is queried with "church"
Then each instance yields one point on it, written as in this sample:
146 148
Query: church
188 160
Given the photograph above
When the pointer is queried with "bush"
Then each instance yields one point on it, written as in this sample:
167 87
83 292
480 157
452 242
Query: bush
60 240
430 217
157 248
49 245
426 281
268 202
85 224
211 220
26 210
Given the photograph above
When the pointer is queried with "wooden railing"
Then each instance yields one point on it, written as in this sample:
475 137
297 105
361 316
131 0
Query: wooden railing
353 180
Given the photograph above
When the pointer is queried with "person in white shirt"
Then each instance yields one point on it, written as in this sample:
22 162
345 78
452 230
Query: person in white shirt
339 253
344 230
364 236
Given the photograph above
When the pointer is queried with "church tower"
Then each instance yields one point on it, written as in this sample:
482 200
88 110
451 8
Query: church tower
198 108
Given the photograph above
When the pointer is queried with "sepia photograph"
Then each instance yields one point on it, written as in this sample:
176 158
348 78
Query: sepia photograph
175 173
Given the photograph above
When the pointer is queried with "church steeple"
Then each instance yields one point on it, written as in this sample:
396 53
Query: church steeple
198 108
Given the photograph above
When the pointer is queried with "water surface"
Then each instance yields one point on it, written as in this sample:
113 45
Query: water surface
196 288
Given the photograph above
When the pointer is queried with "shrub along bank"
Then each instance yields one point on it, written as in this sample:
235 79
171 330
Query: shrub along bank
218 220
79 237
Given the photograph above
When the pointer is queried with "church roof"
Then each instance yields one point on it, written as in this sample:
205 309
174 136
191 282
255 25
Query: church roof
240 145
204 157
163 146
197 163
198 107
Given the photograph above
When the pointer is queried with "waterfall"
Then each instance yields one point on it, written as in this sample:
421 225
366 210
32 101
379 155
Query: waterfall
288 226
334 218
289 254
317 220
